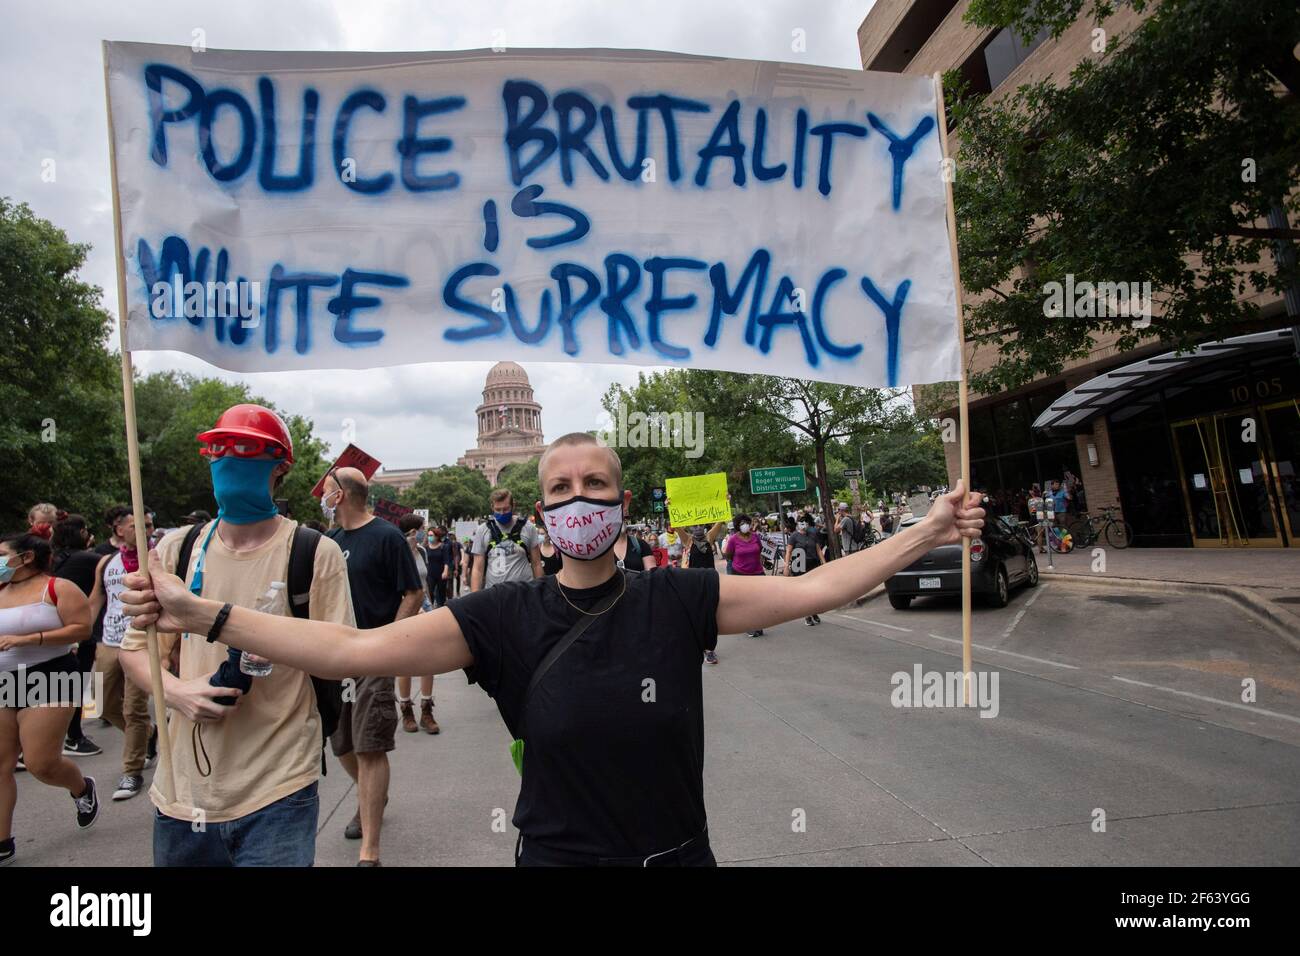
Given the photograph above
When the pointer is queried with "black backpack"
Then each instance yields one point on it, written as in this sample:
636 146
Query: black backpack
857 532
302 561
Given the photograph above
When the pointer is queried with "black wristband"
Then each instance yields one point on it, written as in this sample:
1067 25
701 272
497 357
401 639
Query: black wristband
220 622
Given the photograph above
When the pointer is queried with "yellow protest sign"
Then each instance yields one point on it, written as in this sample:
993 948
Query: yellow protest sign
700 499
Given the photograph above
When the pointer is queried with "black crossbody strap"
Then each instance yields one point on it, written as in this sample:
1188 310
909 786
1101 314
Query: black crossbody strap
576 631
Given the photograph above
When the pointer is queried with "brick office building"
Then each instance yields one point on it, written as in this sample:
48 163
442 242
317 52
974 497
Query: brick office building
1162 436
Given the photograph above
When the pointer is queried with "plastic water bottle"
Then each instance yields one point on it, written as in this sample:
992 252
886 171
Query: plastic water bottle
272 602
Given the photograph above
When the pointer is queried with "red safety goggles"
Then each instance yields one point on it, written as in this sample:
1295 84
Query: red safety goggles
241 446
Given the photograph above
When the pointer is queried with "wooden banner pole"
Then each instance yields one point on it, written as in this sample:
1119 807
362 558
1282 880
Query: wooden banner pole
168 773
949 174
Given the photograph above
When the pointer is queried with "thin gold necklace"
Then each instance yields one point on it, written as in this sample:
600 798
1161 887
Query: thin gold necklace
592 613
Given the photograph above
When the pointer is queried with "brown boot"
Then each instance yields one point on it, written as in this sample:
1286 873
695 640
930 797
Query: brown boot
427 723
408 716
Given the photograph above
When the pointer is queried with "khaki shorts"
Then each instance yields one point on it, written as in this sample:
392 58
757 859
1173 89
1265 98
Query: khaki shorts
368 724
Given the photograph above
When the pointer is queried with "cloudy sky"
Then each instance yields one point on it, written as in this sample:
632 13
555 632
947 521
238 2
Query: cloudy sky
52 107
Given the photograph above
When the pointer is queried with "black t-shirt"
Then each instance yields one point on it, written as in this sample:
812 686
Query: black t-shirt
606 771
78 567
438 556
635 555
701 553
381 569
105 547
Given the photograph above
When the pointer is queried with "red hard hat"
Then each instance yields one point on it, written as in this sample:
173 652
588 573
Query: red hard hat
252 421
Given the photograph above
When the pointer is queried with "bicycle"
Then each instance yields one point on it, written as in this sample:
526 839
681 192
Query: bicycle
1088 528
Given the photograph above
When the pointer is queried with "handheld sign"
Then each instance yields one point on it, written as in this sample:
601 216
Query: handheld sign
390 511
306 210
352 457
701 499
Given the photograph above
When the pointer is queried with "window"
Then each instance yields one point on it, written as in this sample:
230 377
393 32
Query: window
1005 51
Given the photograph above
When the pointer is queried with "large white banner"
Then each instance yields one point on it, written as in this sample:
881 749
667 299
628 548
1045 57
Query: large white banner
353 210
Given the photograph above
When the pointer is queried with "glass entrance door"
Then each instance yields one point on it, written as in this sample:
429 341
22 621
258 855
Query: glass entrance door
1227 470
1283 421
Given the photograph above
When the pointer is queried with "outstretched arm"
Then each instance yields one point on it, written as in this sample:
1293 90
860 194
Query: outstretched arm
424 644
752 603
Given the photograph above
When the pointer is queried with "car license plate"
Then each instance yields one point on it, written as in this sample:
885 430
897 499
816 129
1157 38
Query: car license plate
930 584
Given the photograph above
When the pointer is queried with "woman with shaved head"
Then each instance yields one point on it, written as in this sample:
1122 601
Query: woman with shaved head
595 670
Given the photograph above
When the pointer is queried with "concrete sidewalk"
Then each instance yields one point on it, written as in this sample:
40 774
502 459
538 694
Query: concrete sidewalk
1263 580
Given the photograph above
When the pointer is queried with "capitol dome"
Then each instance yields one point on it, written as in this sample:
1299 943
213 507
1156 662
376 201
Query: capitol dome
507 373
509 422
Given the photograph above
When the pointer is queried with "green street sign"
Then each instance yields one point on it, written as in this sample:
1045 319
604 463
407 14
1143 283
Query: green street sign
774 481
656 507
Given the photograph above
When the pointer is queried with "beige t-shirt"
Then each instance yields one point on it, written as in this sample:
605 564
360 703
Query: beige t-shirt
271 746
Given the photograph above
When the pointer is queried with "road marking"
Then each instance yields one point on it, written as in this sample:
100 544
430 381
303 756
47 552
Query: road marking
892 627
1209 700
1028 604
998 650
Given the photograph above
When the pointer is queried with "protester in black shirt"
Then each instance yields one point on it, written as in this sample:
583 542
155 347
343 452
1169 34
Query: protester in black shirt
440 562
608 776
114 519
385 586
73 561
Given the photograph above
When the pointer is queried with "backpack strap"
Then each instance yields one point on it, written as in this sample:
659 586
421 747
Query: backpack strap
182 569
494 530
54 597
302 566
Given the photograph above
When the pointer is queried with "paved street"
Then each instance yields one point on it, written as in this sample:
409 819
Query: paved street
1124 701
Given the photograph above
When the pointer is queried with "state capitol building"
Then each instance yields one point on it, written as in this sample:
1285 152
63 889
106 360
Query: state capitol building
509 428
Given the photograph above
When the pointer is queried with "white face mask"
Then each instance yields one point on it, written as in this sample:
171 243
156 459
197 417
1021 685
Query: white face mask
802 526
327 509
744 528
583 528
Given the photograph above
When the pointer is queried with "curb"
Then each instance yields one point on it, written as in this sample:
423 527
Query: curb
1280 622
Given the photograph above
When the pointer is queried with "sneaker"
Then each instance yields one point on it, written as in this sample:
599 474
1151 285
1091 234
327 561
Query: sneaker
85 747
87 805
151 749
128 786
807 622
817 618
408 716
21 766
710 657
427 723
758 633
7 851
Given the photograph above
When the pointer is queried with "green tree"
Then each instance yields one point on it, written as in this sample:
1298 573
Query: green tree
380 491
819 413
61 432
1156 161
449 492
521 479
722 440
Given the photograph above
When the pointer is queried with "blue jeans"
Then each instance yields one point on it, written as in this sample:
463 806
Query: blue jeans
280 834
